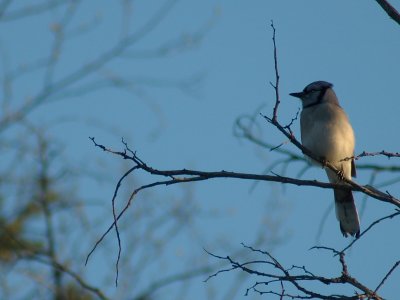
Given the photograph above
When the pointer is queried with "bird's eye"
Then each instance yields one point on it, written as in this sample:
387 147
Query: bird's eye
309 91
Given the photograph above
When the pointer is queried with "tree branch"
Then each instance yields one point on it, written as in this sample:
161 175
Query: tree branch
186 275
187 175
276 85
64 269
390 10
391 216
387 276
296 276
31 10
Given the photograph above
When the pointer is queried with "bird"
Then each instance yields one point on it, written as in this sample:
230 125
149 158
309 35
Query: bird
326 132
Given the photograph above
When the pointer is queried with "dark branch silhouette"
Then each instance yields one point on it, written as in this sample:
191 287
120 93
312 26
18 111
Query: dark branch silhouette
391 216
390 10
293 281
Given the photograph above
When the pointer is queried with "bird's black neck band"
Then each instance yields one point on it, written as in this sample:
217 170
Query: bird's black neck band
311 104
319 100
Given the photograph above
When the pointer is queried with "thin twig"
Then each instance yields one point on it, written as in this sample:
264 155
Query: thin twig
365 154
387 275
32 10
283 275
391 216
276 85
63 268
115 219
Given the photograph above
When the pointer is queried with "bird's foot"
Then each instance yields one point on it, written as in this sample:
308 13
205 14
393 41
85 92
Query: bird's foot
323 161
340 175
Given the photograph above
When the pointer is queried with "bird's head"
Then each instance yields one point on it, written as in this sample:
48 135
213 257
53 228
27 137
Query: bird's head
314 93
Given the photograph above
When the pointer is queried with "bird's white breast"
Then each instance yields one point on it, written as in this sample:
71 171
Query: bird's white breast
326 131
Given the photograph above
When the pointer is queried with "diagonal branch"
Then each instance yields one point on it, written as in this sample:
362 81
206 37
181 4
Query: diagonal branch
390 10
183 276
65 269
391 216
372 192
387 275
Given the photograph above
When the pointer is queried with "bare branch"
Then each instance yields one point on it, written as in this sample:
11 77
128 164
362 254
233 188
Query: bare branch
390 10
276 85
63 268
58 31
243 130
355 186
89 68
387 276
182 43
186 175
179 277
364 154
295 276
115 220
391 216
31 10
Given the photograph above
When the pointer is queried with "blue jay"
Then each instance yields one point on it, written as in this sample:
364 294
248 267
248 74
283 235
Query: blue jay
327 133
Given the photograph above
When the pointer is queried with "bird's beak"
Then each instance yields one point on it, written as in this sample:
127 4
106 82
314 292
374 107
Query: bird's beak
297 95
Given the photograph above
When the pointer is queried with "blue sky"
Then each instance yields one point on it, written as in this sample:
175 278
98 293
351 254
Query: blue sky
354 45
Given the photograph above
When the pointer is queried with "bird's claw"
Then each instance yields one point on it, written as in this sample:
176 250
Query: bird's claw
324 162
340 175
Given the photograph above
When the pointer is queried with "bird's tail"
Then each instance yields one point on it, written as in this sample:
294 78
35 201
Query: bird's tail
346 213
